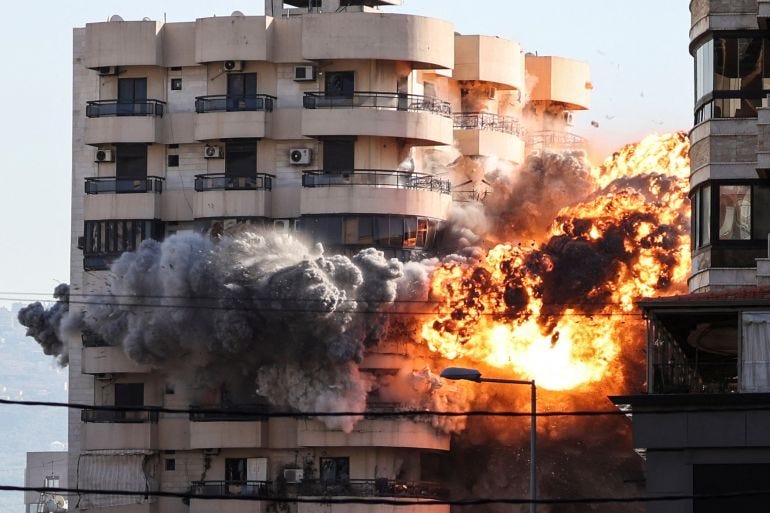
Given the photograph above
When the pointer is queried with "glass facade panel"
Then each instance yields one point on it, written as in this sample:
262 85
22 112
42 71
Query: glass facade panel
704 69
704 217
761 213
734 212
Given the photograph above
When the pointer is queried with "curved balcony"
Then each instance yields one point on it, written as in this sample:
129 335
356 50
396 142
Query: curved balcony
497 61
119 121
232 116
370 191
426 43
124 43
122 198
109 360
554 140
560 80
219 195
712 15
105 429
421 119
485 133
233 38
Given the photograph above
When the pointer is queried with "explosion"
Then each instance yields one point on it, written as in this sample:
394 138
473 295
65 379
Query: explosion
554 310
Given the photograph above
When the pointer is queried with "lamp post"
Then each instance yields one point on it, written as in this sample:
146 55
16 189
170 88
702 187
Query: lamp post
460 373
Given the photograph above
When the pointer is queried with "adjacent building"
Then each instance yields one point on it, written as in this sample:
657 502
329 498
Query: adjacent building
708 377
320 117
45 469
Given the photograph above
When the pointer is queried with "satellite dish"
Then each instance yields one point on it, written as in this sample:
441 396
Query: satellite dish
115 17
237 13
146 19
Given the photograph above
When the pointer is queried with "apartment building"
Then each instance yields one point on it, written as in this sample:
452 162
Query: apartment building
708 378
319 117
49 469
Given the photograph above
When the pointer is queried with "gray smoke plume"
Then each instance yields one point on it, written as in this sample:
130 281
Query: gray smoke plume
44 325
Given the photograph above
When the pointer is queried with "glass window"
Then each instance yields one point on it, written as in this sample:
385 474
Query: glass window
422 232
750 63
335 470
235 470
241 158
131 160
704 69
734 212
761 224
382 231
704 216
396 231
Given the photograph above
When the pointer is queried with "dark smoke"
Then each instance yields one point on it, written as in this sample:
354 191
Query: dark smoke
45 325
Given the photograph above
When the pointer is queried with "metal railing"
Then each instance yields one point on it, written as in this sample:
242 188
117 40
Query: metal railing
107 108
692 378
229 413
555 139
372 488
101 185
377 100
118 416
376 178
223 182
234 103
91 339
487 121
243 488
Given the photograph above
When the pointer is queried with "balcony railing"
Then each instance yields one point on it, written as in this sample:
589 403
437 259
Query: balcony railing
377 100
222 182
230 413
91 339
555 139
487 121
376 178
696 378
372 488
102 185
219 488
119 416
234 103
106 108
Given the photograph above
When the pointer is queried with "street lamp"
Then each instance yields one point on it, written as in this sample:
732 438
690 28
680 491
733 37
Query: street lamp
460 373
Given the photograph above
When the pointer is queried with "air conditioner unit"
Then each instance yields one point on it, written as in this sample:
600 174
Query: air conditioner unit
210 452
233 65
304 73
300 156
567 118
293 475
284 225
212 152
107 70
104 156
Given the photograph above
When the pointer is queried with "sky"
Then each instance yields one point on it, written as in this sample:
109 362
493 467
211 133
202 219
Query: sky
641 72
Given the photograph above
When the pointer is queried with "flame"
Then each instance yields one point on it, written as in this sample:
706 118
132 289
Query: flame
555 311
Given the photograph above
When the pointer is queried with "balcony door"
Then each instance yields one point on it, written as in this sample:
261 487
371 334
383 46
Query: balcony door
241 163
335 470
241 91
339 156
132 97
339 83
130 166
129 395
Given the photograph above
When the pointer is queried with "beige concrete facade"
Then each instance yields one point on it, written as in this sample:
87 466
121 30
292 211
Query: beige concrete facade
158 112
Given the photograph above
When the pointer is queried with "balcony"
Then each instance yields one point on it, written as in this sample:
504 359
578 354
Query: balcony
249 490
555 141
423 120
230 116
124 43
373 191
402 433
123 121
236 38
236 426
560 80
106 429
494 60
219 195
485 133
122 198
109 360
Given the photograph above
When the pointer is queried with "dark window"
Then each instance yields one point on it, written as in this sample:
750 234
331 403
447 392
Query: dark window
734 212
131 160
334 470
761 213
132 96
726 478
176 84
701 216
101 237
129 394
241 91
173 161
339 83
241 158
339 156
170 464
235 470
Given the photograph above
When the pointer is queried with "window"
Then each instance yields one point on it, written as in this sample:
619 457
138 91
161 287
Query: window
235 471
132 97
106 237
129 394
176 84
131 160
241 158
339 83
335 470
170 464
241 91
173 161
734 212
339 156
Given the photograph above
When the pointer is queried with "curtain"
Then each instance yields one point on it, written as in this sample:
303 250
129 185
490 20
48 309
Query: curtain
755 352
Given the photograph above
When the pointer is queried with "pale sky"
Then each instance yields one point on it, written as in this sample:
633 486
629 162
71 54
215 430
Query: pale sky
641 71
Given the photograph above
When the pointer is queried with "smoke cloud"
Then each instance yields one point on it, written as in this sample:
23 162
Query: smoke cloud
45 325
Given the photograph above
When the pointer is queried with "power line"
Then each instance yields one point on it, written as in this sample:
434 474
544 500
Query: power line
388 501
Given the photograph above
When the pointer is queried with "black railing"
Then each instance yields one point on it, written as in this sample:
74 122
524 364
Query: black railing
101 185
242 488
223 182
487 121
230 413
372 488
376 178
555 139
106 108
377 100
695 378
234 103
118 416
91 339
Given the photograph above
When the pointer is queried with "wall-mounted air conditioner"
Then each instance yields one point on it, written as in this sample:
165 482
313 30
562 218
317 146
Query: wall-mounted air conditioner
104 156
107 70
300 156
232 65
567 118
293 475
304 73
212 152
